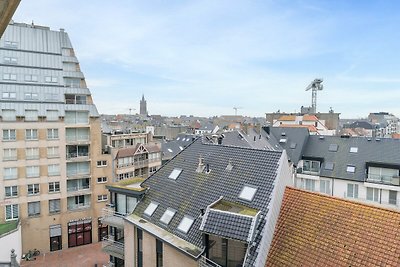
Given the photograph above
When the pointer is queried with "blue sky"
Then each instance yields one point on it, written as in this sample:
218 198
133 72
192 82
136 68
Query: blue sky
205 57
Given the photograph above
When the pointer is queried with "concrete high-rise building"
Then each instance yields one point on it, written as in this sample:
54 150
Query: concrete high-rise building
52 172
143 107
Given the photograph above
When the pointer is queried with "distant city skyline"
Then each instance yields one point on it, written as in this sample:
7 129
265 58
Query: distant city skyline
202 58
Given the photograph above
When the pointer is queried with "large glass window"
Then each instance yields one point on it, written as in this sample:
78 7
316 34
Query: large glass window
54 205
311 166
12 212
139 234
11 191
373 194
324 186
352 190
34 208
9 135
392 197
159 253
225 252
309 184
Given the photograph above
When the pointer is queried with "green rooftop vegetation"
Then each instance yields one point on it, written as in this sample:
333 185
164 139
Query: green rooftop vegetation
130 184
234 208
7 227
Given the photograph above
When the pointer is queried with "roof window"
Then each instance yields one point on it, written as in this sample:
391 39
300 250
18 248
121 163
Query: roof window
168 215
151 208
248 193
353 149
333 147
351 168
282 140
293 145
170 150
185 224
329 166
175 174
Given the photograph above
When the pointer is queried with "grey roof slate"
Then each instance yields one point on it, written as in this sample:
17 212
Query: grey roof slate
298 136
193 191
252 139
227 225
386 151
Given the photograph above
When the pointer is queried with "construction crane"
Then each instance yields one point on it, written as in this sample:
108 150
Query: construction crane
315 86
236 109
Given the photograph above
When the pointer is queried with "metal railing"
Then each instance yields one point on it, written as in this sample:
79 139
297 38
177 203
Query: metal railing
113 247
383 179
77 188
205 262
78 173
75 101
77 138
74 155
79 206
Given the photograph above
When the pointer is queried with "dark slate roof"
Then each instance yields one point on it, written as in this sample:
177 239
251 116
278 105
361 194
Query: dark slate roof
296 139
252 139
361 124
193 191
227 225
385 150
173 147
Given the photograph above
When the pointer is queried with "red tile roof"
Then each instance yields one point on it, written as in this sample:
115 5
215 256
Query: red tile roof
310 118
319 230
287 118
311 128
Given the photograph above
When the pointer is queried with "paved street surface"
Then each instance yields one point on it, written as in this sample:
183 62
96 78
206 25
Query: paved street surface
85 256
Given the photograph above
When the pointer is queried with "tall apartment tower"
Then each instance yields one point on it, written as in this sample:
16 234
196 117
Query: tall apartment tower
53 173
143 107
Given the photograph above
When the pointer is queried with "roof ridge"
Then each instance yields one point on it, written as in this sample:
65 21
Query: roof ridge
241 147
357 203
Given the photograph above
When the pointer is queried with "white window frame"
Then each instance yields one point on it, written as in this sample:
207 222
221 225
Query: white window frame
101 163
102 198
353 192
9 95
36 208
53 149
14 212
9 135
373 194
32 153
34 188
102 180
10 173
9 76
34 173
54 187
53 169
12 191
52 134
10 154
31 134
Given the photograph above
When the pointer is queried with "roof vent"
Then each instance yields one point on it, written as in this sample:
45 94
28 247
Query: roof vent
283 134
377 139
201 166
321 137
229 167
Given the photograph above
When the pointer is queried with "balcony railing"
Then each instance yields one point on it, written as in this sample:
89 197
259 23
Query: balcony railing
76 173
138 163
383 179
79 206
77 155
115 248
205 262
311 171
77 188
112 218
77 138
73 101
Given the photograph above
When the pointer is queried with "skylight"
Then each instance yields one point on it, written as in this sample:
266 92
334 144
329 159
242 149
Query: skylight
351 169
151 208
333 147
353 149
185 224
329 166
282 140
293 145
248 193
168 215
181 148
175 173
177 139
170 150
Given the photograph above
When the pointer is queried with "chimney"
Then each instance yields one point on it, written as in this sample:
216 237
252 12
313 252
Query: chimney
200 167
207 168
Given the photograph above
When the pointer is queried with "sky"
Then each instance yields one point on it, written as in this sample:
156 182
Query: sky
205 57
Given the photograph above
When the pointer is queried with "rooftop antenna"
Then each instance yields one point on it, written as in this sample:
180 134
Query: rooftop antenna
315 86
236 109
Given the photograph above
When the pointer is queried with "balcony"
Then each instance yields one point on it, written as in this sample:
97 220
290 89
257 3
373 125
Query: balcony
136 164
204 262
112 218
78 206
76 101
383 179
78 190
78 139
78 156
113 247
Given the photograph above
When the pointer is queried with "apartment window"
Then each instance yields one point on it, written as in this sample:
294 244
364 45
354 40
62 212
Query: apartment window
159 253
352 190
309 184
248 193
11 191
8 115
9 135
34 208
392 197
12 212
76 117
53 152
9 95
102 179
9 77
9 154
31 96
52 133
31 78
325 186
373 194
32 153
31 134
10 60
151 208
168 215
152 169
33 189
102 197
185 224
52 115
139 234
54 187
53 169
10 173
32 171
54 205
50 79
102 163
31 115
311 166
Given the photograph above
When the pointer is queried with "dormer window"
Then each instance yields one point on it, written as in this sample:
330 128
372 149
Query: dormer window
168 215
175 174
151 208
248 193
